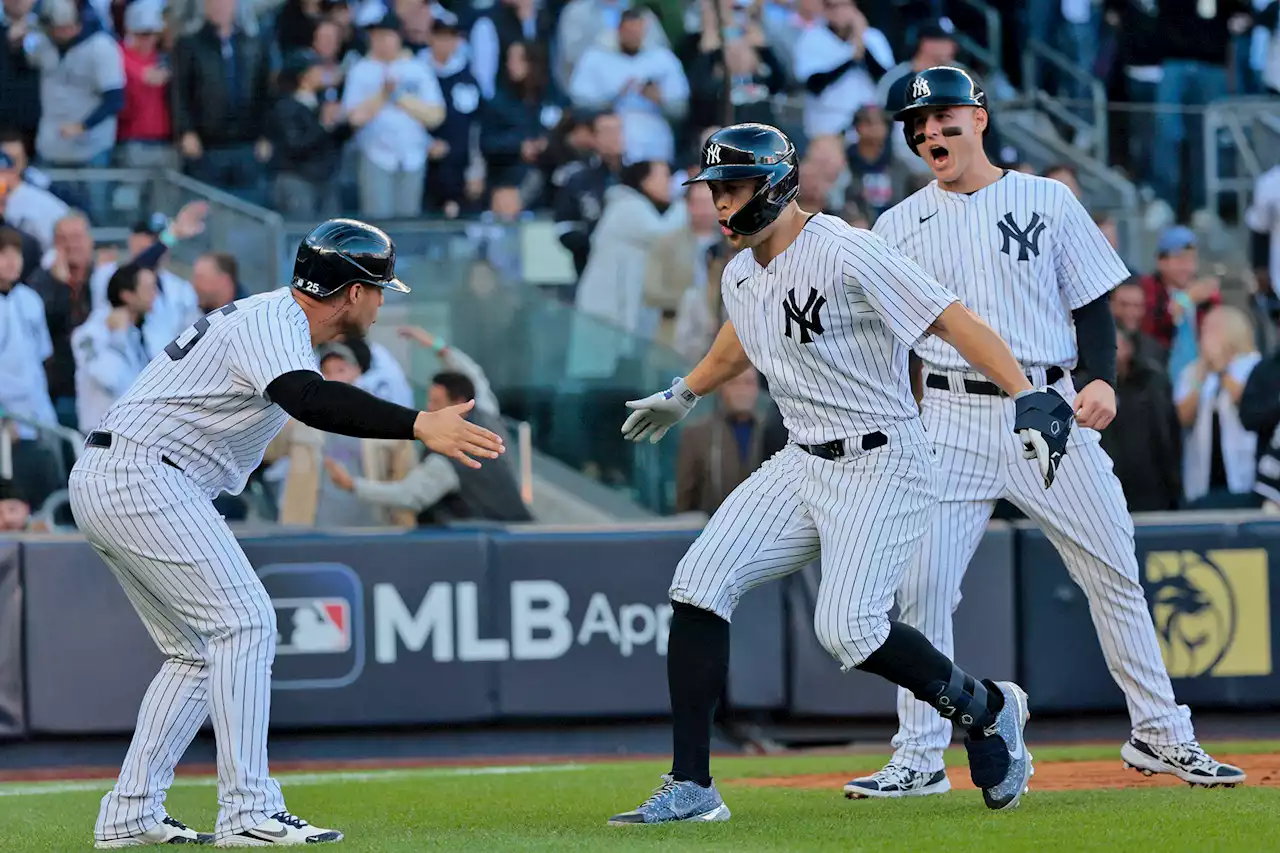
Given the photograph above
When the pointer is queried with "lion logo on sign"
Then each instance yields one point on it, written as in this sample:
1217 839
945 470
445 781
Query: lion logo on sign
1195 611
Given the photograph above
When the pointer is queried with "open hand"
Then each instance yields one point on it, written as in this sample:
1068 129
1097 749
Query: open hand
450 434
190 220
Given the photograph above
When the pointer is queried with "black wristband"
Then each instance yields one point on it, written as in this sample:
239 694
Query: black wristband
340 408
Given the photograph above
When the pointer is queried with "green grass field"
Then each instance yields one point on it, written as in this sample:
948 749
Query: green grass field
564 807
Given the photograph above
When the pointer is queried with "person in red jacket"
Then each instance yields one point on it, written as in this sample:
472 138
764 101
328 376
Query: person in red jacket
1177 268
145 132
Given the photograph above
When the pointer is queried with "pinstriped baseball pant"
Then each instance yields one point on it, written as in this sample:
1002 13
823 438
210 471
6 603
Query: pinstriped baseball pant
865 514
1083 515
206 610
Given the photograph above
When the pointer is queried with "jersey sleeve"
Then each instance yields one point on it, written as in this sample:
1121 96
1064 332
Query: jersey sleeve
906 297
271 342
1087 266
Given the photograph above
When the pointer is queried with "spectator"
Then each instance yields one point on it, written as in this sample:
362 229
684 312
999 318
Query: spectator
1064 173
817 186
15 512
786 23
30 209
570 148
1144 439
838 65
877 181
328 45
580 203
19 74
678 280
855 213
502 25
1263 217
442 490
515 124
1259 411
454 360
307 135
754 72
64 288
645 84
188 16
380 372
145 134
935 45
1109 227
81 93
394 100
296 24
451 149
221 97
1194 45
216 279
176 305
611 291
720 452
1219 459
1177 299
310 499
1129 308
109 349
25 342
584 24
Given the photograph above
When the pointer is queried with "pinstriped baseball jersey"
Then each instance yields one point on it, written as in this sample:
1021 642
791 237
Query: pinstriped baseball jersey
1022 253
202 401
830 323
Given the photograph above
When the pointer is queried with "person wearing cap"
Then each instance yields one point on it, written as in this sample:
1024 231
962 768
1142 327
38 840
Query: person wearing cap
307 135
30 210
176 305
145 135
448 58
394 101
221 95
308 498
1177 298
81 93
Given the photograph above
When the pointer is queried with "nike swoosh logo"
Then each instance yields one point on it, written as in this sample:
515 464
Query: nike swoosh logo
266 833
930 216
741 280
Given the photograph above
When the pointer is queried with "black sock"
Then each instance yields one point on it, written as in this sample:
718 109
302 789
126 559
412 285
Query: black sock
909 660
697 668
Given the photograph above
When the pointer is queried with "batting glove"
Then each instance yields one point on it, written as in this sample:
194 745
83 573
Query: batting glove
657 413
1043 422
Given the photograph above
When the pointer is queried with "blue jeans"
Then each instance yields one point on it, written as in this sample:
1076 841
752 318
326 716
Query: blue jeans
1244 79
93 197
1141 124
234 169
1192 84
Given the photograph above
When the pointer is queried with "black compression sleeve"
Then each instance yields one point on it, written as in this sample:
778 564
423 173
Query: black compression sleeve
338 407
818 83
1096 339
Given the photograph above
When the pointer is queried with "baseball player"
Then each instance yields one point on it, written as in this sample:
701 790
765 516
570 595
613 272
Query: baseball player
1022 252
194 424
828 313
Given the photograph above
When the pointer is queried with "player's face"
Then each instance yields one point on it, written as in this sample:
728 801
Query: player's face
729 197
951 136
362 308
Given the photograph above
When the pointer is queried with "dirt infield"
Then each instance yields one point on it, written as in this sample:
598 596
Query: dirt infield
1263 770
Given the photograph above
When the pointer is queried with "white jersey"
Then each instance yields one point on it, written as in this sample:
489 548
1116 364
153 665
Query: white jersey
1022 253
175 308
202 401
107 363
385 377
830 323
24 346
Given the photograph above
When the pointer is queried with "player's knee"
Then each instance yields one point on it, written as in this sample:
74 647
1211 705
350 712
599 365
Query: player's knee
851 637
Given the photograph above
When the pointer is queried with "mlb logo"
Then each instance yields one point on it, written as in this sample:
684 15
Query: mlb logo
320 643
312 626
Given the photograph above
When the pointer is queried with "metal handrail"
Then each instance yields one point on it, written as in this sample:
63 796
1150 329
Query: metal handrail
71 436
1232 116
990 53
1035 52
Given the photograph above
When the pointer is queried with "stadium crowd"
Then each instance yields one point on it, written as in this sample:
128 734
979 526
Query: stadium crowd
590 112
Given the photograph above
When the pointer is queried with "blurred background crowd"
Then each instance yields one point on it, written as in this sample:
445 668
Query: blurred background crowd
551 139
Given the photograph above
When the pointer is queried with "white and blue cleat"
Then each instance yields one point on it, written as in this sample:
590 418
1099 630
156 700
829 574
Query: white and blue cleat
999 762
674 801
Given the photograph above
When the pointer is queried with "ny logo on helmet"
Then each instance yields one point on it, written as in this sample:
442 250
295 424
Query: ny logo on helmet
920 88
713 155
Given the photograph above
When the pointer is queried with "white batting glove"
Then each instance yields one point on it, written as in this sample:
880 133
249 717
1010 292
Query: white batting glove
657 413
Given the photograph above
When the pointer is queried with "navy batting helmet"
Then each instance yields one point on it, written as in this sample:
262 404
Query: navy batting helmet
340 252
940 86
745 151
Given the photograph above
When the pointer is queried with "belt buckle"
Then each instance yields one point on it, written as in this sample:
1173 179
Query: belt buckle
835 448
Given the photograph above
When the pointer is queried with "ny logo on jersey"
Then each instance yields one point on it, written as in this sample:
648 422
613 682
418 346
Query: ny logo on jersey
1028 239
808 317
713 155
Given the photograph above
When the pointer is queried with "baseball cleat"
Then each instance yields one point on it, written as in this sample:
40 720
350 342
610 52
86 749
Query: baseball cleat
167 831
676 801
999 762
282 830
896 780
1188 761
